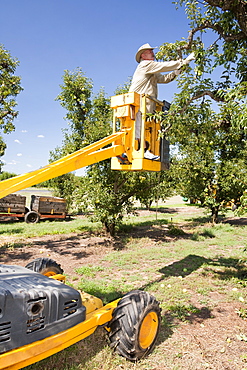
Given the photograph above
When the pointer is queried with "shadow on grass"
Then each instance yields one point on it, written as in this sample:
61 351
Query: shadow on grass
18 230
11 246
67 247
157 230
222 218
57 220
183 267
242 221
188 313
232 268
196 221
178 313
163 210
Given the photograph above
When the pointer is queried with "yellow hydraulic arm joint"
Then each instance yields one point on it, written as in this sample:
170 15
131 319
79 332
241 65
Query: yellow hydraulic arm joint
84 157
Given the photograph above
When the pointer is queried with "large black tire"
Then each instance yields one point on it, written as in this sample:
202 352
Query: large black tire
45 266
135 325
31 217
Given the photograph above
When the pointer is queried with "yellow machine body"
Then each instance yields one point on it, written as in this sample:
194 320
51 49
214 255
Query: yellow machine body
26 355
37 351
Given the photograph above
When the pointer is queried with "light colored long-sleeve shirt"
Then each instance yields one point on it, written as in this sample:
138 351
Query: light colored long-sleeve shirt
148 74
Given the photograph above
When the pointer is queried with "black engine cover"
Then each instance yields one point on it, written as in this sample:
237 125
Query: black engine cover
33 307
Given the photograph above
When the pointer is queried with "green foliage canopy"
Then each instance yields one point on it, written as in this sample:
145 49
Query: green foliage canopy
9 89
207 119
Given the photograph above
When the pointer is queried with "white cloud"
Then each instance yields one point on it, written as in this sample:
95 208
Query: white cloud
42 136
24 131
13 162
17 141
29 165
19 154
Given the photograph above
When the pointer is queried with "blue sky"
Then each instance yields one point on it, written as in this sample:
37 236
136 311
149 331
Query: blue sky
50 36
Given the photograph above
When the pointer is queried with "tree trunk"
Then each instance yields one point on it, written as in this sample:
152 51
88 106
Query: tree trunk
214 214
110 228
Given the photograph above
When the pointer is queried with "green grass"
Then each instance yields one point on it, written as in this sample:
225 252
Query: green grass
182 312
105 289
89 271
22 231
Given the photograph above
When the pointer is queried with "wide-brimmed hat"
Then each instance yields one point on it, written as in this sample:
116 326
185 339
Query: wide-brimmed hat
142 49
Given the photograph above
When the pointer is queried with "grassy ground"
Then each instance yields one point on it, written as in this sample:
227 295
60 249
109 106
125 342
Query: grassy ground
197 271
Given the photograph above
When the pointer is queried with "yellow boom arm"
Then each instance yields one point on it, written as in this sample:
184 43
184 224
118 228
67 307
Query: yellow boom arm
84 157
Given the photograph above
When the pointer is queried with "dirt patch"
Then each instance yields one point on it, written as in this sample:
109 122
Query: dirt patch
73 250
210 340
70 251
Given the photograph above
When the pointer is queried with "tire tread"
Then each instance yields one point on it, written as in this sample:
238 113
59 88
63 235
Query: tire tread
44 264
125 323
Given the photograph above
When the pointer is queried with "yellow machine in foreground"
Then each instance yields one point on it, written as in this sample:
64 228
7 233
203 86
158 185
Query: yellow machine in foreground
39 314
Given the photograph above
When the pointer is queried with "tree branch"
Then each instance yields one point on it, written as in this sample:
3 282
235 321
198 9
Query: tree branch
238 8
6 113
196 96
199 95
226 37
216 27
212 95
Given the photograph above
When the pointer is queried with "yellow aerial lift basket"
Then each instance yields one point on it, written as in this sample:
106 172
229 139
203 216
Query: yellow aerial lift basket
129 114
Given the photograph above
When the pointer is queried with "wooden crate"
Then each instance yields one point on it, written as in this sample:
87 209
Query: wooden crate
48 205
13 203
